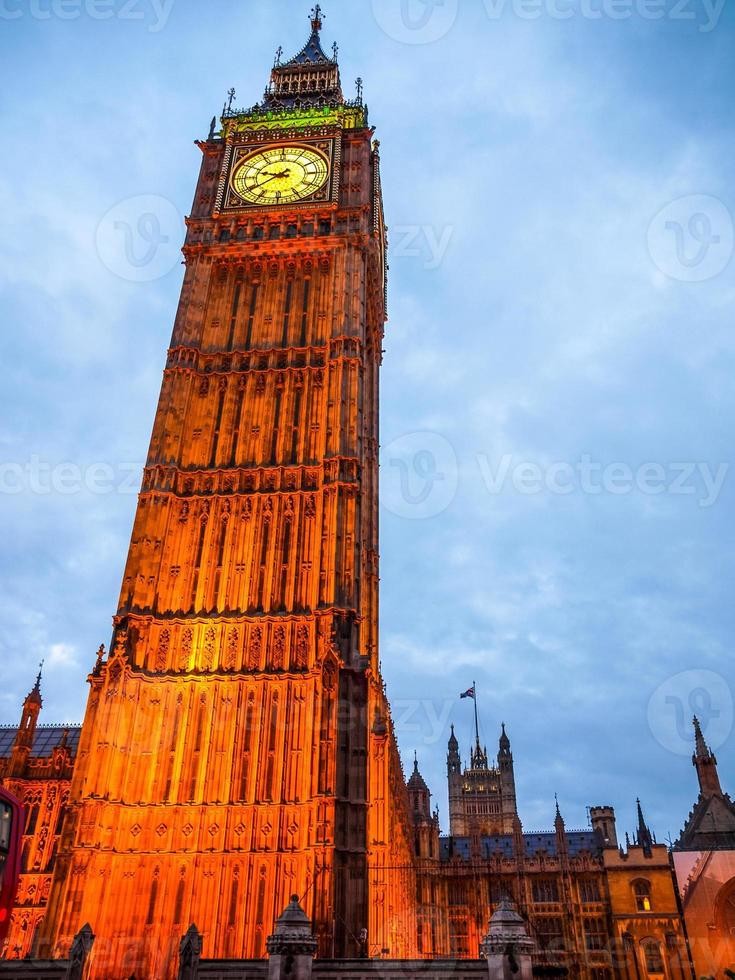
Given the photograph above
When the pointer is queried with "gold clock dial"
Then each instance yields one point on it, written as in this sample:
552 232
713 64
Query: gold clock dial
280 175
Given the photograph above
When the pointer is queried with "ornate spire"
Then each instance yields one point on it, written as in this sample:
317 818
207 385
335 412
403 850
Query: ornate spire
478 757
23 742
643 836
309 78
35 692
453 744
504 743
417 783
705 762
561 832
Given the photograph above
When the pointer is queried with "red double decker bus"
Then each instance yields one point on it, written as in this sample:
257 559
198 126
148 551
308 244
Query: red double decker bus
11 843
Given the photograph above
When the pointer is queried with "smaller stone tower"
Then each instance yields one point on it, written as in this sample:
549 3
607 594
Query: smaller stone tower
426 823
482 798
23 743
603 823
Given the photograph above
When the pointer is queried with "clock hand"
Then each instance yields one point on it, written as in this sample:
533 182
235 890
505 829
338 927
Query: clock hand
266 181
284 173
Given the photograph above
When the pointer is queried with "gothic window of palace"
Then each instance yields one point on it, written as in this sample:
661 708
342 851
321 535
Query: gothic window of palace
652 957
456 893
32 820
642 893
600 973
725 905
545 890
595 934
589 890
549 932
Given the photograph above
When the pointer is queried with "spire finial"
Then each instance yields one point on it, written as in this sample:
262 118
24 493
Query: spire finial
645 840
279 55
316 19
558 819
415 761
701 749
705 762
34 695
231 93
358 86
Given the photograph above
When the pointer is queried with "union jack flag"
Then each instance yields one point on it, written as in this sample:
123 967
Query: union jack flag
469 693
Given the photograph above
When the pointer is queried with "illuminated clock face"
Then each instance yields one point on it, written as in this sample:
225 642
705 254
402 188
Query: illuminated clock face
280 175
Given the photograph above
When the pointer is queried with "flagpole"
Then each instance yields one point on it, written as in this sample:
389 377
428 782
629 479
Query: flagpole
477 727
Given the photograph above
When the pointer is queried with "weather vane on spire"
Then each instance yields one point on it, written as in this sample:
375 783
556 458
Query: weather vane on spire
316 19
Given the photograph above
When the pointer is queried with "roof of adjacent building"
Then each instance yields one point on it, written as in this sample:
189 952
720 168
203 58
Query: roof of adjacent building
578 841
710 825
45 739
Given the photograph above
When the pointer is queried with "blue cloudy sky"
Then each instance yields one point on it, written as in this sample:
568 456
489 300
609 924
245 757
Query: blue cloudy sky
557 392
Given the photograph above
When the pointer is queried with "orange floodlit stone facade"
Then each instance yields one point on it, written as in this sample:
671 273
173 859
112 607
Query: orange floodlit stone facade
36 764
237 746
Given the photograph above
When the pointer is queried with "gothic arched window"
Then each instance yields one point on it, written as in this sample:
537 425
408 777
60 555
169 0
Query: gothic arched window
725 906
32 819
652 957
642 892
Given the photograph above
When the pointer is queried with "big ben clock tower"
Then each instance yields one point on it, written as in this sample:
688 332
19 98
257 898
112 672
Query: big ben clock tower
237 746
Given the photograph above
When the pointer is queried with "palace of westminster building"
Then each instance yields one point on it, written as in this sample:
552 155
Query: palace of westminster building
238 747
